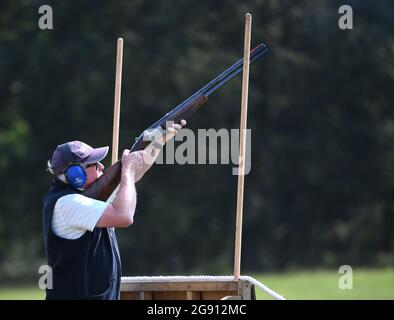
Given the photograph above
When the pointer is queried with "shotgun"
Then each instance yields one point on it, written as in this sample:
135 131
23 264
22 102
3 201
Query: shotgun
102 188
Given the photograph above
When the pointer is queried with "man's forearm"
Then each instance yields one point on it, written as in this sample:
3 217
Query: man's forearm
125 200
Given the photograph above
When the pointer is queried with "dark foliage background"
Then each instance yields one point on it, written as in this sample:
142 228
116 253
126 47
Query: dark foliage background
320 192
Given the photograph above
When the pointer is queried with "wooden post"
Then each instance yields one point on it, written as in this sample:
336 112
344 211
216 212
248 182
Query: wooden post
118 89
242 142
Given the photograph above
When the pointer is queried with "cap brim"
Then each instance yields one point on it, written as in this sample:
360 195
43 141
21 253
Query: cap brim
97 155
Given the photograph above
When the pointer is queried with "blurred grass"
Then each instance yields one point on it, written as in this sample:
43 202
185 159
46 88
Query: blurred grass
21 293
367 284
373 284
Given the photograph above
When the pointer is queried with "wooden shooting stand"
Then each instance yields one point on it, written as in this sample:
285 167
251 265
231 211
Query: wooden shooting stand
186 290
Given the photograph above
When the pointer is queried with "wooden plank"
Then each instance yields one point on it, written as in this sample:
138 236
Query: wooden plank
245 290
145 295
242 146
168 295
129 295
193 295
118 91
194 290
217 295
179 286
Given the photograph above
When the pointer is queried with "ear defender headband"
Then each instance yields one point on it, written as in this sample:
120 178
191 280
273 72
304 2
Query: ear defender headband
75 174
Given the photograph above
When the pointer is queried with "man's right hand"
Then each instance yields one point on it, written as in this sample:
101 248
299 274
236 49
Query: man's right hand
135 164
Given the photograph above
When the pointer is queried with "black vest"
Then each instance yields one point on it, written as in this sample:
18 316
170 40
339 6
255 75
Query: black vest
85 268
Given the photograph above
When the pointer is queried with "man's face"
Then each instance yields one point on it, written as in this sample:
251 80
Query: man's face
93 171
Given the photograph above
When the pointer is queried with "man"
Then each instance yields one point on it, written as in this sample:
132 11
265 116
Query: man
79 236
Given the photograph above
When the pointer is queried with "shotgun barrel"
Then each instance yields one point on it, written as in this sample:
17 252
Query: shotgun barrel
186 108
216 83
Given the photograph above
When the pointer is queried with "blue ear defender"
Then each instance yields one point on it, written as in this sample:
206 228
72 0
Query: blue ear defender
75 175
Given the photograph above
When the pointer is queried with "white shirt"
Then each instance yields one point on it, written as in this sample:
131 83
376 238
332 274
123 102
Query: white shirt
74 214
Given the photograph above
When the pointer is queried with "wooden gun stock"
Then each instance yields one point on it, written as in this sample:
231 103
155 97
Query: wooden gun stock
102 188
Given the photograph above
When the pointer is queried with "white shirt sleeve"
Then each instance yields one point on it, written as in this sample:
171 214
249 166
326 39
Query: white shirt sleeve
74 214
